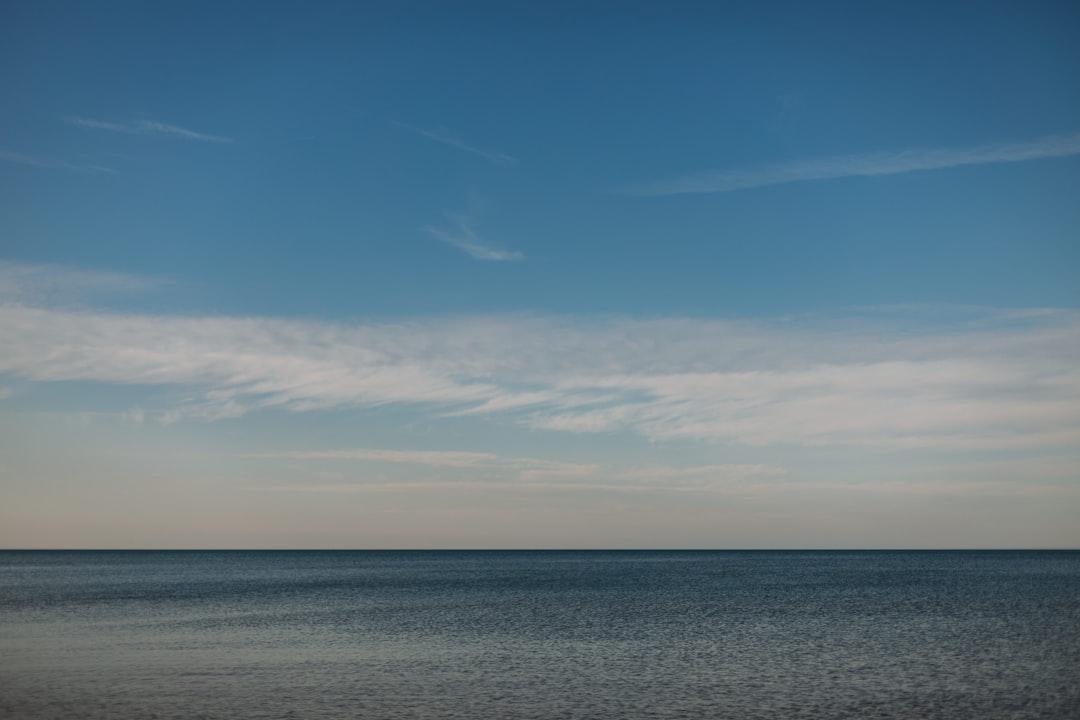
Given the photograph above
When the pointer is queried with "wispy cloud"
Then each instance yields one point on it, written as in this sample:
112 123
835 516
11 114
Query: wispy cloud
46 284
748 495
720 181
146 127
486 469
98 124
983 380
445 137
49 163
461 235
179 132
363 471
432 458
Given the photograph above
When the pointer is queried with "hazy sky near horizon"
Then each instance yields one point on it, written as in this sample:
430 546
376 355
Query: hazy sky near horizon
556 275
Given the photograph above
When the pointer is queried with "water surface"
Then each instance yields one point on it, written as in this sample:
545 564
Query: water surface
619 635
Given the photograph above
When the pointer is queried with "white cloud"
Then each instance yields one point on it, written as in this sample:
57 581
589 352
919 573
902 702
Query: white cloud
433 458
719 181
465 239
98 124
488 469
147 127
356 471
445 137
158 128
44 284
988 380
48 163
134 415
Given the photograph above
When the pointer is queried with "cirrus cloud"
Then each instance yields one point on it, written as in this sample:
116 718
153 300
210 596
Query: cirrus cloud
991 379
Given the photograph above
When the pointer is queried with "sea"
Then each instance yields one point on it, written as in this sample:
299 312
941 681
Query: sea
545 634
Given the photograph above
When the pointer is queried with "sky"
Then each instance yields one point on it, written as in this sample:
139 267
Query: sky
539 275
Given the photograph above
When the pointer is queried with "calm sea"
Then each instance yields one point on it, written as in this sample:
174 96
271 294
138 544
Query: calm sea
619 635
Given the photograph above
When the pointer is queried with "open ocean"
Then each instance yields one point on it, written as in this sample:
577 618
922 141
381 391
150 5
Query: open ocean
621 635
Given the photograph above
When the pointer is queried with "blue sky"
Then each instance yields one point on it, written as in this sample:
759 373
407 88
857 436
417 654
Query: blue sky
760 274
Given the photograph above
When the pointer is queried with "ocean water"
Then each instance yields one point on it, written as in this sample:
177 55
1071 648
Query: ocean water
623 635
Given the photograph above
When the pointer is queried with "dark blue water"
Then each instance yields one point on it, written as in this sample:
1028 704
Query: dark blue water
736 635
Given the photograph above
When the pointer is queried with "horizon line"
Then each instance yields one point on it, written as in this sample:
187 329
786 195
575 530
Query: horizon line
551 549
